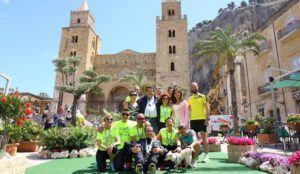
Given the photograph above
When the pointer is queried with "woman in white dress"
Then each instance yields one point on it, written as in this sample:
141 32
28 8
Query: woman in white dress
180 112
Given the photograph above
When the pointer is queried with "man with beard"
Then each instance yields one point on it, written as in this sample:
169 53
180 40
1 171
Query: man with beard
199 116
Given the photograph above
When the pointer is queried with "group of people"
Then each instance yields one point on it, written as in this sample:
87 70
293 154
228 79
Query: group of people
150 127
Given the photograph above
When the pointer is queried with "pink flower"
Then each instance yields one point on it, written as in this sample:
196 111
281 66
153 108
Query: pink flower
295 158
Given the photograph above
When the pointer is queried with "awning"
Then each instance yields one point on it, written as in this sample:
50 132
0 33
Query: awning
290 81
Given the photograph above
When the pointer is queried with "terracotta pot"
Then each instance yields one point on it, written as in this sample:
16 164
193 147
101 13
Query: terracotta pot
251 128
235 151
12 149
28 146
224 129
267 138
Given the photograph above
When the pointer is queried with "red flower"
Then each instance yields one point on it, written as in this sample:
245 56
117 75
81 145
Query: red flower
19 122
28 105
28 111
4 99
24 118
17 94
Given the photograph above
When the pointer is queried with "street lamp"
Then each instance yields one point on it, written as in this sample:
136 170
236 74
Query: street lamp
7 83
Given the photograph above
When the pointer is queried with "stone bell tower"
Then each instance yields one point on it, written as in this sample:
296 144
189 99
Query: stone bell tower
172 60
78 39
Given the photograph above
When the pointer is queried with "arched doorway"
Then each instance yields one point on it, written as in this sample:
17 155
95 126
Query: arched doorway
115 98
95 104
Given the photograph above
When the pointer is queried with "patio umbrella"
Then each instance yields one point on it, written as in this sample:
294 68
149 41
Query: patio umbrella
293 81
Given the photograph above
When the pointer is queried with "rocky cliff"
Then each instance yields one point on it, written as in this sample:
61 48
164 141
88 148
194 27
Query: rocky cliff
242 18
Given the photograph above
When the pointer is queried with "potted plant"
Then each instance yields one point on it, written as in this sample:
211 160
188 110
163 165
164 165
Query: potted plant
293 122
294 161
237 146
213 144
30 135
224 127
251 125
14 134
267 134
11 108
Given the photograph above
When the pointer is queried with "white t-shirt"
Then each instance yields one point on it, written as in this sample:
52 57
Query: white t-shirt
150 110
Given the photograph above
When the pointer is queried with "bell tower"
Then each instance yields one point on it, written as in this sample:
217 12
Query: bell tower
172 60
78 39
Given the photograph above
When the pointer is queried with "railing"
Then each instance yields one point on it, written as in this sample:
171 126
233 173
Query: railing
290 27
263 89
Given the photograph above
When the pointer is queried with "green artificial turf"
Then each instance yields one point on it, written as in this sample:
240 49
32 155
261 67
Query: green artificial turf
218 164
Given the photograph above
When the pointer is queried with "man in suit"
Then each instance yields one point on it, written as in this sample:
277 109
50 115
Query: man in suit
148 106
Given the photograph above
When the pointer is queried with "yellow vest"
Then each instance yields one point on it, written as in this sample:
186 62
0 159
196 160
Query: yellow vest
165 112
168 138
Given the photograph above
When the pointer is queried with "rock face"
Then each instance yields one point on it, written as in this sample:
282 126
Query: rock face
246 18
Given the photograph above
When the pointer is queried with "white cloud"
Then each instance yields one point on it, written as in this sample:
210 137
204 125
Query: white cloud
5 1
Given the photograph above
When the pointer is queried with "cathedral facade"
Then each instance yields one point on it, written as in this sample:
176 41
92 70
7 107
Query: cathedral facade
168 65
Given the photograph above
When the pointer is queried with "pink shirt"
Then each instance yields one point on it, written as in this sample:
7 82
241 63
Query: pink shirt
181 113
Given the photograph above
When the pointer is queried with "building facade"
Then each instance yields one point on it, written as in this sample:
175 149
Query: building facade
168 65
279 58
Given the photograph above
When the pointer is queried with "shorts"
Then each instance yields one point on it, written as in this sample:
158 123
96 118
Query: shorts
198 126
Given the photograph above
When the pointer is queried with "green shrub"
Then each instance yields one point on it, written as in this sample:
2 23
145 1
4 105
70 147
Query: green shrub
293 119
224 125
69 138
27 131
251 122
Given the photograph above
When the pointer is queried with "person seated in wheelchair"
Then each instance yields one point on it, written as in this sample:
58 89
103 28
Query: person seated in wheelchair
147 152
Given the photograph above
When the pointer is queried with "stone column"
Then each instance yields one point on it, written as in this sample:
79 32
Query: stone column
54 103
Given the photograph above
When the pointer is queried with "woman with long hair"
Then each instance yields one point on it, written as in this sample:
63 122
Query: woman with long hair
180 109
164 110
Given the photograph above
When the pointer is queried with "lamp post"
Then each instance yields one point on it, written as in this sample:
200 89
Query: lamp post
7 83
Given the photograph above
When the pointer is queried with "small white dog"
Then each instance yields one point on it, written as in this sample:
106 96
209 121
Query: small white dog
177 158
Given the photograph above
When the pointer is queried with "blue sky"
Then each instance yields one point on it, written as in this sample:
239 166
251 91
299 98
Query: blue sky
30 32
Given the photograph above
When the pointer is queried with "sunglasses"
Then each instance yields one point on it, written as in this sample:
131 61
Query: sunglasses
140 118
166 98
125 114
110 119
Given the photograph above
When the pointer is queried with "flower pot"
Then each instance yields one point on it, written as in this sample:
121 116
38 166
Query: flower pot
295 169
235 151
224 129
28 146
267 138
12 149
291 125
251 128
214 147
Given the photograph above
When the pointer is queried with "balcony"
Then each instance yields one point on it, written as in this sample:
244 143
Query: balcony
265 47
263 89
289 30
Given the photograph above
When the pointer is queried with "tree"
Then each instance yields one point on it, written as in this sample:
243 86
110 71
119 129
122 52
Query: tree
137 78
220 10
231 5
88 81
44 95
244 4
226 45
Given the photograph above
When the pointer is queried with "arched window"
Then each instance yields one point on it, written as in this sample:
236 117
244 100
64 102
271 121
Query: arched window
174 49
74 39
74 53
93 43
71 53
173 12
170 33
173 33
78 20
172 66
170 50
169 12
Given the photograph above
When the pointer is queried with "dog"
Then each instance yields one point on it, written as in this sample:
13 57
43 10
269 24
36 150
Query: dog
185 155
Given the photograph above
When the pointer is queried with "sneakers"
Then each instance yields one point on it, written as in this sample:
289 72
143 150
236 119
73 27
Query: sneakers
127 166
139 169
111 165
205 159
151 168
